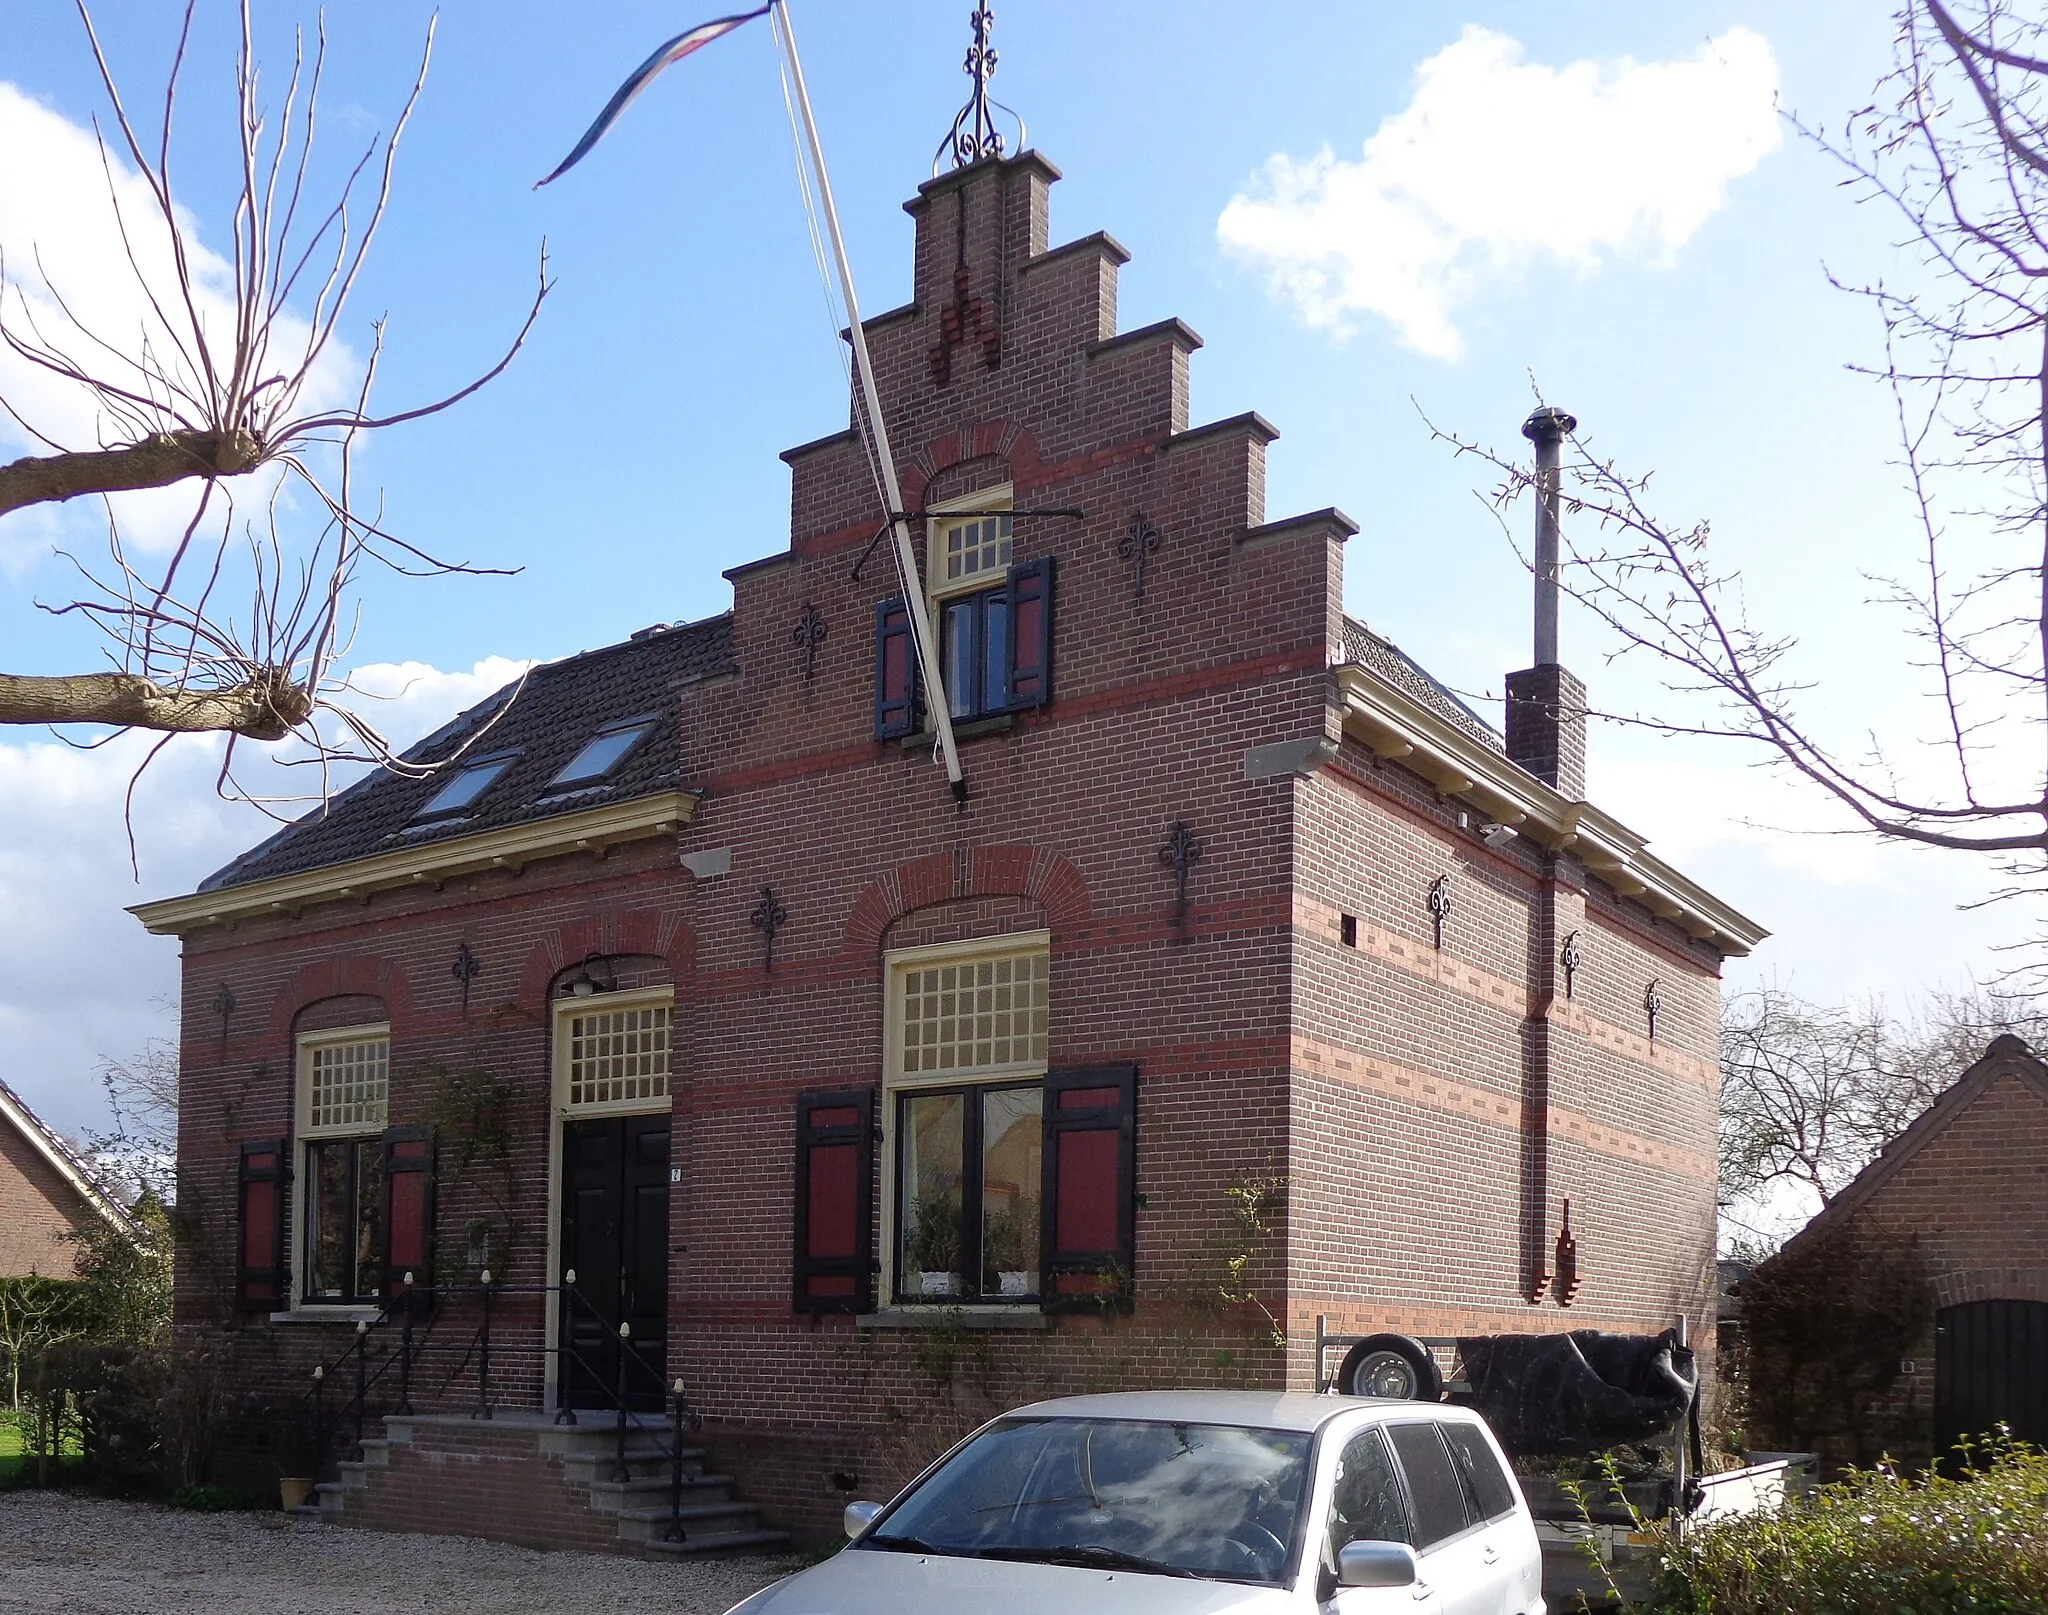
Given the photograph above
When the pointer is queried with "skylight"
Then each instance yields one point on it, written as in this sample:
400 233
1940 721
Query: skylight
601 753
464 786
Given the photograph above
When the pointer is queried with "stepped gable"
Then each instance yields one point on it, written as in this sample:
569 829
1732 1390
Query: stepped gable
546 719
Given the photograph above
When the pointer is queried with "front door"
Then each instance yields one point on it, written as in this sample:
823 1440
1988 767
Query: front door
615 1177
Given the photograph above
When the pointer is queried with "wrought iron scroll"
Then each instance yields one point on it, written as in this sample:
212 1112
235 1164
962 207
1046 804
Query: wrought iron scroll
224 1007
769 916
1140 541
974 134
811 629
1653 1006
1180 853
466 968
1439 908
1568 960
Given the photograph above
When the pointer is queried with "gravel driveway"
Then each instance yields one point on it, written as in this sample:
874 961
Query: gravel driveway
88 1556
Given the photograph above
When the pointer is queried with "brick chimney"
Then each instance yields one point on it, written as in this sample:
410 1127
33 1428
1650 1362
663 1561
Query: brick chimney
1546 703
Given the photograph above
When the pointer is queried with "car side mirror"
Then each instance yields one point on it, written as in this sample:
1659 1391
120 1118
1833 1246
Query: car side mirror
859 1516
1372 1564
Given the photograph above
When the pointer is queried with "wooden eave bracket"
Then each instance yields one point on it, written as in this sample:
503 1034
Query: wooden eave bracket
592 830
1395 726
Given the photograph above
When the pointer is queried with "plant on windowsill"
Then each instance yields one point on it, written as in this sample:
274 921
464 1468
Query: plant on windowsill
934 1253
1008 1238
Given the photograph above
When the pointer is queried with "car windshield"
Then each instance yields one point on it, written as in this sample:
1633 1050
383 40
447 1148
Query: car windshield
1206 1500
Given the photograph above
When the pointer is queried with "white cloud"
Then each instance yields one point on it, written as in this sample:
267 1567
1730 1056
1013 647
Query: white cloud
1498 163
79 978
62 236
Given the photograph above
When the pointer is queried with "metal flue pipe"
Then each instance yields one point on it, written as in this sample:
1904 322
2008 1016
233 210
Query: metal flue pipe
1547 428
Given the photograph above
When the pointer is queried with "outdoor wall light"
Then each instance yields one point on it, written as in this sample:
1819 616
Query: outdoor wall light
593 976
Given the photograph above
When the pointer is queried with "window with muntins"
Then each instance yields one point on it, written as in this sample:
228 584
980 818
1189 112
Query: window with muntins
344 1091
618 1056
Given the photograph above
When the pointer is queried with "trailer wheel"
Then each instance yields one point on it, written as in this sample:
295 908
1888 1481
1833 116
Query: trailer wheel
1393 1366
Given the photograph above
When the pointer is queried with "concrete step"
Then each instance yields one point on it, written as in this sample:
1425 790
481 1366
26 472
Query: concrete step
648 1514
698 1488
718 1544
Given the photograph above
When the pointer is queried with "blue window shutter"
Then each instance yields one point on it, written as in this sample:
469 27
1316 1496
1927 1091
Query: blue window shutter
1030 602
895 671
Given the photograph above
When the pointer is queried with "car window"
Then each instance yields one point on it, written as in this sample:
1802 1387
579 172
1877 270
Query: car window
1433 1485
1486 1483
1365 1502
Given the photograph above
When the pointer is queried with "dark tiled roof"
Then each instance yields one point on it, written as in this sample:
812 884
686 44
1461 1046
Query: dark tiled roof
546 718
1398 668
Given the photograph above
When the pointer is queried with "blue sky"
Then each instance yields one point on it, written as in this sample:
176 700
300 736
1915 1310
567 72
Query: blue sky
630 453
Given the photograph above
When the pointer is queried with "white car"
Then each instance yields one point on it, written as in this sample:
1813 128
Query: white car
1180 1502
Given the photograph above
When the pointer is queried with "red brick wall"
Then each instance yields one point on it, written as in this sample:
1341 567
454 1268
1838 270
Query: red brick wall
1237 1013
38 1208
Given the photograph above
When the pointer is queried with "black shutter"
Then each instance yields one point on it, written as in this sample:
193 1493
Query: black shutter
835 1193
1030 602
1089 1193
408 1208
262 1270
895 671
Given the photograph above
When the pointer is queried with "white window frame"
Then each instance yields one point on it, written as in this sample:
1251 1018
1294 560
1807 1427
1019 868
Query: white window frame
939 589
896 962
304 1133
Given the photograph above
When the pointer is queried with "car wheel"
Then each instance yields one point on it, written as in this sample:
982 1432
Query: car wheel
1391 1366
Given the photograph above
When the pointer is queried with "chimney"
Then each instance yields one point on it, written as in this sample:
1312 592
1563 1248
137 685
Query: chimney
1546 704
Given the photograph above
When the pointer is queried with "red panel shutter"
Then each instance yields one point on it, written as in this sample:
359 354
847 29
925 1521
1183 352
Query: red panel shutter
408 1207
1031 633
1090 1188
895 671
835 1191
261 1271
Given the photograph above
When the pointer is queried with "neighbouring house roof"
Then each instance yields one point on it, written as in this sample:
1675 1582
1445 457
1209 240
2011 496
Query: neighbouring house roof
62 1158
2007 1055
1364 648
545 719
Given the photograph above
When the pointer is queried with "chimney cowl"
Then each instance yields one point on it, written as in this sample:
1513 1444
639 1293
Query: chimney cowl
1549 424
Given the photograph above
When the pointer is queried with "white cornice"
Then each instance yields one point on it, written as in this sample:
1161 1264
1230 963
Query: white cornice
514 847
1396 726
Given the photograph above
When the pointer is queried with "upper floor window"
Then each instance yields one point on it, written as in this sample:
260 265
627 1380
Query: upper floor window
465 785
603 752
991 613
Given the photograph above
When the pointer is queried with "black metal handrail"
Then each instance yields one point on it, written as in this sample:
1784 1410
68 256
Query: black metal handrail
414 1301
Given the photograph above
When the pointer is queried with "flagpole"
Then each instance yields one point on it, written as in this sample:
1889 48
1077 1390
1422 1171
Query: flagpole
906 556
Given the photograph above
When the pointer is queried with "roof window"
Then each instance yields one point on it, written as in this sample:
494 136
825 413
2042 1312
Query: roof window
465 785
602 753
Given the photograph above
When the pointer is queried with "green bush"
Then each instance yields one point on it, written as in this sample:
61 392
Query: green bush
1878 1543
219 1499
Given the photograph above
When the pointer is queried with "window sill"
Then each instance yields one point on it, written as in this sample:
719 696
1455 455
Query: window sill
1024 1317
1000 723
340 1314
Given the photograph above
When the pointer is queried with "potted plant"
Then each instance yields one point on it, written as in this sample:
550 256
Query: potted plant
292 1445
1007 1238
934 1254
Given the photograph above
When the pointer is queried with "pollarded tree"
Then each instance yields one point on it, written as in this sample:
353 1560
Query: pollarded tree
237 386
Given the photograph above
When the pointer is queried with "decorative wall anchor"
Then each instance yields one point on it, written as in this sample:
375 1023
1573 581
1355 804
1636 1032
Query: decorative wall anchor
466 968
1653 1006
1140 540
811 629
1566 1260
224 1007
769 916
1181 852
1569 960
1439 908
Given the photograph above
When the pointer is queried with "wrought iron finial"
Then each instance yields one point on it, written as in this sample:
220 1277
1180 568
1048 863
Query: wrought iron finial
769 916
1570 958
466 968
1139 543
1182 851
811 629
1440 903
1653 1006
974 134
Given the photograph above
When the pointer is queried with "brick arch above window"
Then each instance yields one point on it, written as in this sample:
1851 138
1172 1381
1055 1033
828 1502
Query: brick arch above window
639 932
1002 871
352 976
1002 440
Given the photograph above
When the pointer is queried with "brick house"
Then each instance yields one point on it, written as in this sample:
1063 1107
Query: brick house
46 1192
1255 979
1942 1244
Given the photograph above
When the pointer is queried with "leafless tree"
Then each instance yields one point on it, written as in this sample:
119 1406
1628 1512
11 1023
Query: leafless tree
140 1149
1811 1094
1956 147
242 627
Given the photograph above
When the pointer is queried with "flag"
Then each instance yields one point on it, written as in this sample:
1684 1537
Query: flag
645 74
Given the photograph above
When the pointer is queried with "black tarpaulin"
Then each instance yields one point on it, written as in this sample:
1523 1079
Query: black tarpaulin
1564 1395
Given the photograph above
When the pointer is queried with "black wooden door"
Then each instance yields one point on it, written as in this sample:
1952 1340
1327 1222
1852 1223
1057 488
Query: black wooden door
1991 1364
615 1177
